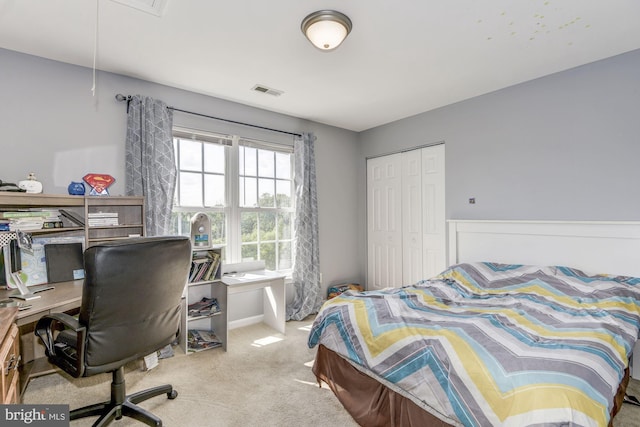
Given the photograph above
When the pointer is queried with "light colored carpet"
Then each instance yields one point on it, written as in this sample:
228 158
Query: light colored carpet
264 379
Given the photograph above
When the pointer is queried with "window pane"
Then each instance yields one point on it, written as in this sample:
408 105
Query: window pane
241 161
218 228
284 225
283 165
249 252
249 226
190 189
190 155
284 256
180 224
214 158
266 164
267 226
266 192
214 190
248 192
268 255
250 161
283 193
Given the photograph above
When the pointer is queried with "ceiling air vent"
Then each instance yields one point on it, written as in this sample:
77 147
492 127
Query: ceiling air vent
267 90
154 7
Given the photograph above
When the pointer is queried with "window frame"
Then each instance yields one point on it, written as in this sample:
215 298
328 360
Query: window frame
232 209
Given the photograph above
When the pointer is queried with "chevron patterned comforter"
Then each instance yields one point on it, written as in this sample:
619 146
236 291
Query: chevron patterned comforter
491 344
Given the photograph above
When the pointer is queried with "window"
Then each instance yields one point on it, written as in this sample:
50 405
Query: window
246 189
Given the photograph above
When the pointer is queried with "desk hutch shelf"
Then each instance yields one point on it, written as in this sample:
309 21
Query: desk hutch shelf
130 211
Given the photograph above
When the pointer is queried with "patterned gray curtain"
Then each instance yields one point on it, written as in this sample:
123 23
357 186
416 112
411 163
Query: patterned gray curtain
150 165
306 264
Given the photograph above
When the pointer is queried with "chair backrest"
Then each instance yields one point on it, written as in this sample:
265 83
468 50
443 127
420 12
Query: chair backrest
131 298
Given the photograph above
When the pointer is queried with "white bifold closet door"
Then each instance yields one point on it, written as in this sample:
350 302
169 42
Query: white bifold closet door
405 217
384 221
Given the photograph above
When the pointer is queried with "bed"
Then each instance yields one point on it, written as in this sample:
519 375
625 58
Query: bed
511 339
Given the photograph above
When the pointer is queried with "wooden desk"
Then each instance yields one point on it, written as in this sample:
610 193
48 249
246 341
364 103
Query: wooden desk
9 356
65 297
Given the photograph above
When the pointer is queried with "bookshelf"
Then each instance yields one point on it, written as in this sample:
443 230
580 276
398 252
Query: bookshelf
204 285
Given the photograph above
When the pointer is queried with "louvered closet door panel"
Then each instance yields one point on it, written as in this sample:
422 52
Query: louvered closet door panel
411 217
433 209
384 217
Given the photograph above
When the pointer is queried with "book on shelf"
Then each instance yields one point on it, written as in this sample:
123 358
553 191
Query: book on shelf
204 267
204 307
29 214
198 339
26 224
52 224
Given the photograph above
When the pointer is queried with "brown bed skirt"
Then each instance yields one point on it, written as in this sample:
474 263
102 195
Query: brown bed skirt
369 402
373 404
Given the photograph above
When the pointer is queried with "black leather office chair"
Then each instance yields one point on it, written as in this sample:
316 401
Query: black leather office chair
130 308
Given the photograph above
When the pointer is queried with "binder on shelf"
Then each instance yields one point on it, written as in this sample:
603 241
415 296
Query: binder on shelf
64 262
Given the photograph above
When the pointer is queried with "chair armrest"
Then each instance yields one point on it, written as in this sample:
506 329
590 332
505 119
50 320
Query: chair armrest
45 327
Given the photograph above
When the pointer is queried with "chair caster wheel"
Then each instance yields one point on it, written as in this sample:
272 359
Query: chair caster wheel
172 394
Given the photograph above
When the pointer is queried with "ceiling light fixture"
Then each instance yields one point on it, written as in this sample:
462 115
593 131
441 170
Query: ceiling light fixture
326 29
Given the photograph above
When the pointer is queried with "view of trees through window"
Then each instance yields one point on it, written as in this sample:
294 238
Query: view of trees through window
250 205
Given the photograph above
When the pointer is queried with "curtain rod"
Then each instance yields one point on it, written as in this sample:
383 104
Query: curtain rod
127 98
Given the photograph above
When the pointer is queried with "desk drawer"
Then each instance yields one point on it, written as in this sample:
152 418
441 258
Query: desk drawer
10 358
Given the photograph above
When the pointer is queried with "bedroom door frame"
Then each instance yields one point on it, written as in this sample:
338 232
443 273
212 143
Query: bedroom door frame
406 224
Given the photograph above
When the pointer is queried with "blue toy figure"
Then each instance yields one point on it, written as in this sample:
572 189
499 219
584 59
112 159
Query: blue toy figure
76 188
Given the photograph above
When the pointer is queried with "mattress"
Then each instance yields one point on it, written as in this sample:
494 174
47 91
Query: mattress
492 344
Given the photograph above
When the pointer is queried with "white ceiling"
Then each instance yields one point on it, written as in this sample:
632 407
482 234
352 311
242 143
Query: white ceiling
402 58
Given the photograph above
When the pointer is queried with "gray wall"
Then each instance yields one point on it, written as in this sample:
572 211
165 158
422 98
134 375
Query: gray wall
52 125
562 147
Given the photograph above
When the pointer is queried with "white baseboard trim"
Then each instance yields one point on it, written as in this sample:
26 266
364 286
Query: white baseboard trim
246 321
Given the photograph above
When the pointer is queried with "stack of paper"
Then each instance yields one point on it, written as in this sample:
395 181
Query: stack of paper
30 220
102 219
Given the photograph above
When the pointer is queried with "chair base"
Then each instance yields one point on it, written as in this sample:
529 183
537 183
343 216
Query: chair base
124 406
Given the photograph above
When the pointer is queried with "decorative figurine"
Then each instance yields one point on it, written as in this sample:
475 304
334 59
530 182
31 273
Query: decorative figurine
31 185
76 188
99 183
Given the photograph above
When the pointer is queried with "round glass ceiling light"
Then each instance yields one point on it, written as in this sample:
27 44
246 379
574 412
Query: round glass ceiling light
326 29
